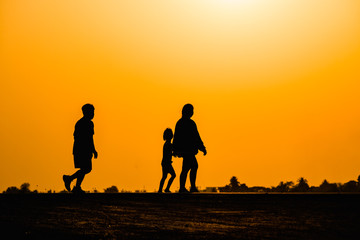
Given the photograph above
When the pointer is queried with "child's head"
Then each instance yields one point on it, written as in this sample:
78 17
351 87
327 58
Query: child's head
88 110
168 134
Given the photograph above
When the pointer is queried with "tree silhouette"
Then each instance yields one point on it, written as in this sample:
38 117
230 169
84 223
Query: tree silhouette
234 184
302 186
350 186
325 186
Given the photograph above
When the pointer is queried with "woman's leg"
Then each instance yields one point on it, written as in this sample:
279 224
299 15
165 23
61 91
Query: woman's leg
193 172
184 172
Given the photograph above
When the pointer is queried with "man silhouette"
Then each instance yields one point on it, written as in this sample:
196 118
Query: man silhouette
186 144
83 149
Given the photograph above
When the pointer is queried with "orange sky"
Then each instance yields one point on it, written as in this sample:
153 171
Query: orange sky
275 86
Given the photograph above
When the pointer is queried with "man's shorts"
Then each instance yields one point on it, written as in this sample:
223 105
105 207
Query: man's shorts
83 161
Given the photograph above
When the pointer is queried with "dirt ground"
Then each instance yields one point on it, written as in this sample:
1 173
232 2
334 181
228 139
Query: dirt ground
180 216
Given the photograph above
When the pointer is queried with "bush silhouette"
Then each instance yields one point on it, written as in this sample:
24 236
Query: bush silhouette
24 188
12 190
284 187
112 189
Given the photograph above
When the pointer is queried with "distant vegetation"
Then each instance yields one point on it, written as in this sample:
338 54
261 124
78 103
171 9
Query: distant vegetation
234 186
300 186
24 188
112 189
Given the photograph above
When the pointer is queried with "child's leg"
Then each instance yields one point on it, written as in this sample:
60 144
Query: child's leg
162 179
173 175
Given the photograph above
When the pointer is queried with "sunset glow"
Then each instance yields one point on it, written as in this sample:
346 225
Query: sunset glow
275 86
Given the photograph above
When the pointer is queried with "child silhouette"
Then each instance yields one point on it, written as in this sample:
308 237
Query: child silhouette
166 161
83 149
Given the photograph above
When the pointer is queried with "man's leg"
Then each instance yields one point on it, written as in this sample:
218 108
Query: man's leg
193 172
80 176
67 181
76 174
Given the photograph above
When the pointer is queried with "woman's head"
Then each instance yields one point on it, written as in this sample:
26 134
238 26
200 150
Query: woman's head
188 110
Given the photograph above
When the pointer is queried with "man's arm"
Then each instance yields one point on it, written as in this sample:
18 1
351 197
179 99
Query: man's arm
92 142
94 151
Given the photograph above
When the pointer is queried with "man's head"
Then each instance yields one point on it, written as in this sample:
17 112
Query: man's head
88 111
187 111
